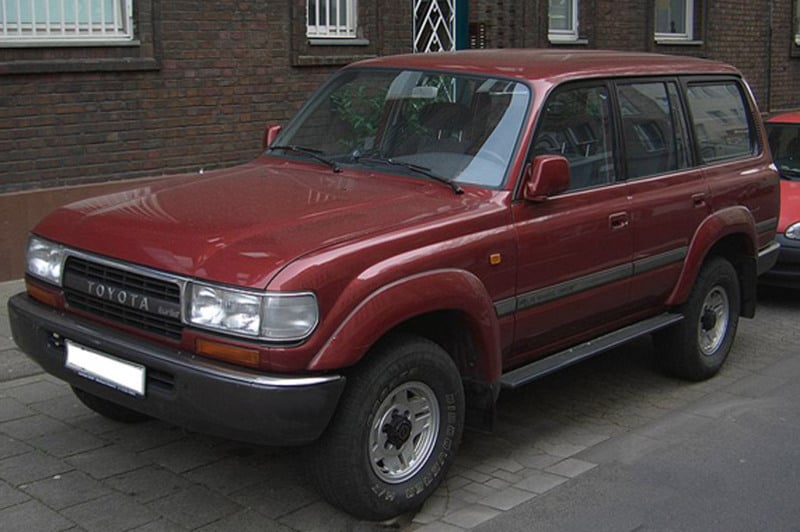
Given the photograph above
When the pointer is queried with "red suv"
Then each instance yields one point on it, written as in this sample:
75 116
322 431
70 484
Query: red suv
427 230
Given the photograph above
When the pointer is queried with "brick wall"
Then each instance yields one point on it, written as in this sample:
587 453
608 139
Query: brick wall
202 81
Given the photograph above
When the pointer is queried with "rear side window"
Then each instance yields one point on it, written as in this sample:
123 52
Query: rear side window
721 121
653 128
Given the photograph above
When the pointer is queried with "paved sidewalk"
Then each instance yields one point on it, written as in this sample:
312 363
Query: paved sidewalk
62 467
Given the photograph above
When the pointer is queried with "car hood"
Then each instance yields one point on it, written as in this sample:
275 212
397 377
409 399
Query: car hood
241 225
790 204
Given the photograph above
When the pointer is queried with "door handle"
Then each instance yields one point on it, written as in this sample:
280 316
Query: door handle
618 220
699 199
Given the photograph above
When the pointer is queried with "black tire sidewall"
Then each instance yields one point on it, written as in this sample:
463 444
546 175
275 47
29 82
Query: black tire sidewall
688 359
405 360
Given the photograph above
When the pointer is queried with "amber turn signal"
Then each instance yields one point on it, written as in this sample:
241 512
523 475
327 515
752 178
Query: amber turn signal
227 353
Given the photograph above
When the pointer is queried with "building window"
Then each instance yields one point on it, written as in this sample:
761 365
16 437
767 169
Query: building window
562 18
674 20
797 23
331 18
65 22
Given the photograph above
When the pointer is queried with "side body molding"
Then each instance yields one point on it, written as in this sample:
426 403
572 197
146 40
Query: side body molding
436 290
735 220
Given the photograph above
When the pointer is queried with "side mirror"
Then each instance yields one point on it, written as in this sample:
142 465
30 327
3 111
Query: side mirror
270 134
546 176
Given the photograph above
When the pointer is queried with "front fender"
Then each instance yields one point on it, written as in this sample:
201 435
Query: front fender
397 302
736 220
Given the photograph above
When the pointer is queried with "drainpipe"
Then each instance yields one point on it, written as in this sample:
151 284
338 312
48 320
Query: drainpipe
462 24
769 56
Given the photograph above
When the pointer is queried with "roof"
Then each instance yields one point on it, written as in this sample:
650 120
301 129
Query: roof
553 65
792 117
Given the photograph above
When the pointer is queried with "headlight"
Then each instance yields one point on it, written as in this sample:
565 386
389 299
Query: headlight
793 231
44 260
277 317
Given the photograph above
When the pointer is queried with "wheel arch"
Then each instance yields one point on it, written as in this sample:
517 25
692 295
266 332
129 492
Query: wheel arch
728 233
440 305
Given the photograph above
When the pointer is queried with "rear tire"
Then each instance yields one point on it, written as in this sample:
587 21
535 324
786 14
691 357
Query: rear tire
108 409
395 433
696 348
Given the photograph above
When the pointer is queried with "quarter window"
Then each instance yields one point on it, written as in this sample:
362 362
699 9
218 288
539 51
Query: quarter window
674 19
577 124
52 22
562 18
720 120
652 128
331 18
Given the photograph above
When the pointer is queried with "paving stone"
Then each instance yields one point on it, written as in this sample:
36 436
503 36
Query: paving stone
275 498
67 442
437 506
498 484
11 447
106 462
507 498
10 496
30 467
109 514
186 454
560 449
535 459
194 507
32 427
138 437
159 525
318 517
540 482
65 490
244 521
33 515
475 476
471 516
11 409
148 483
39 390
481 490
439 527
64 407
230 475
571 467
13 363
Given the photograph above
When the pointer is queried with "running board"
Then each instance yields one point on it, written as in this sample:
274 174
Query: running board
540 368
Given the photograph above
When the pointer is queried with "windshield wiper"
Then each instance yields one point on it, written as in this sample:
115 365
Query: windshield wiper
311 152
421 170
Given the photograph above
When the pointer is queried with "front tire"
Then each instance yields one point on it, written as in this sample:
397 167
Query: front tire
696 348
396 431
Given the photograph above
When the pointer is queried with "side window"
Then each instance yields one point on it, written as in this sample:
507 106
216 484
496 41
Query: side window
576 123
720 120
652 128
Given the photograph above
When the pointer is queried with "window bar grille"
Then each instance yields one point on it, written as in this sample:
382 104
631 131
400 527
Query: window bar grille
67 20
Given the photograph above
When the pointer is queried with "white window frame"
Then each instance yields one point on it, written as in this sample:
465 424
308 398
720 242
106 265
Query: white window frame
567 35
65 23
344 24
688 22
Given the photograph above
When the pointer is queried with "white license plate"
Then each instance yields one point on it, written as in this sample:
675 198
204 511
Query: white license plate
119 374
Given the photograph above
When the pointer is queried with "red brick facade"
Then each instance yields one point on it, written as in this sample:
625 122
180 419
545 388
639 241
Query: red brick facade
202 79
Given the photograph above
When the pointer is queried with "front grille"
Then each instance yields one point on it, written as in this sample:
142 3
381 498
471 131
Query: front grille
120 296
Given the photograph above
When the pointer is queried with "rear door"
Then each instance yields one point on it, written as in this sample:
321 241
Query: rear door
669 197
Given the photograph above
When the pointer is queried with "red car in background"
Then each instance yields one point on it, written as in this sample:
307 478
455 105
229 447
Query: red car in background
784 140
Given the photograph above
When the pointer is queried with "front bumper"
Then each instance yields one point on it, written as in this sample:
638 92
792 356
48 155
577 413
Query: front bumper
786 271
181 388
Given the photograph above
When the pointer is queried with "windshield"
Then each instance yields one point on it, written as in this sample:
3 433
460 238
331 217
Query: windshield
784 142
456 127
